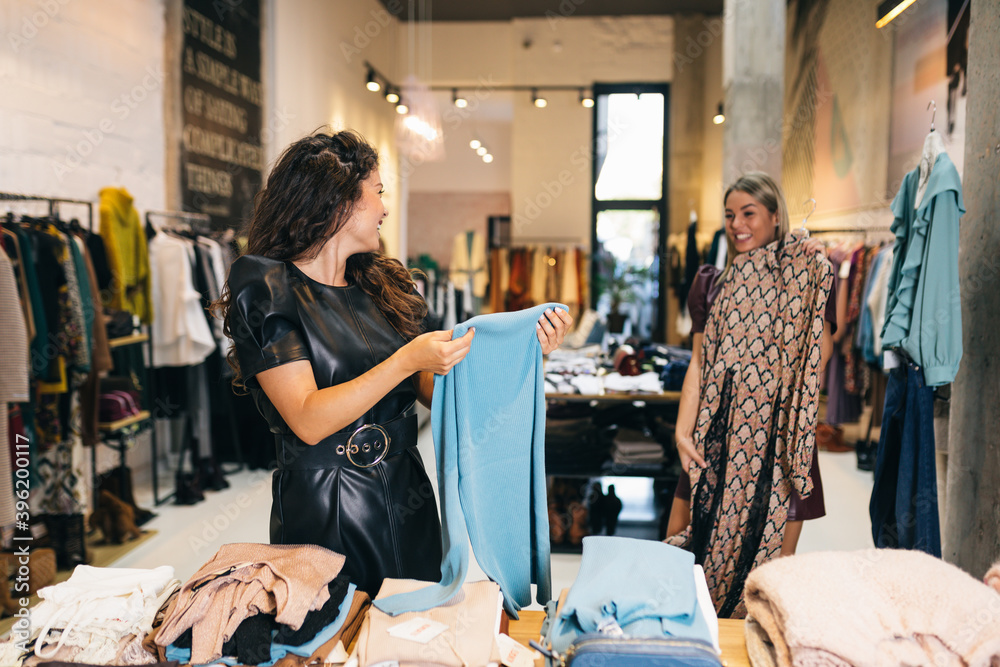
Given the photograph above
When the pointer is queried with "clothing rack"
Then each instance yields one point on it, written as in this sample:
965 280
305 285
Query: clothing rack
197 223
54 212
53 204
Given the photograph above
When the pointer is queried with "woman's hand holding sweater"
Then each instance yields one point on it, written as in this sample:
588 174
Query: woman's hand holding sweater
435 351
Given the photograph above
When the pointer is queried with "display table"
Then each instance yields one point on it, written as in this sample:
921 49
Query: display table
734 649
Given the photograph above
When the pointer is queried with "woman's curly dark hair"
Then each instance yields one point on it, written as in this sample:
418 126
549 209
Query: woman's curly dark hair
309 196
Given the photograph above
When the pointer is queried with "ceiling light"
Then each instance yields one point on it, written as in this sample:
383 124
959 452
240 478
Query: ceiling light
401 108
487 158
889 10
481 151
586 99
539 102
719 118
372 84
459 102
391 96
475 143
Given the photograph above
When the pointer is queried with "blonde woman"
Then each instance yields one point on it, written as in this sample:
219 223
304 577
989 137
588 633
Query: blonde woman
756 221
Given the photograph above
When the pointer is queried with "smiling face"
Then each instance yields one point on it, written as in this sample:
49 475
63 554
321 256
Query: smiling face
366 220
749 225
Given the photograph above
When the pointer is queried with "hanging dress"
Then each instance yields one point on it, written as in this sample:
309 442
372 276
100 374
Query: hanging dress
757 418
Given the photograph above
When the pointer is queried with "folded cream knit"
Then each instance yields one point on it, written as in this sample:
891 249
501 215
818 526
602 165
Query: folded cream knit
874 607
471 616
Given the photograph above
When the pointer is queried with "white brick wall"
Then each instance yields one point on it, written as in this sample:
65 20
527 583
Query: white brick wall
82 98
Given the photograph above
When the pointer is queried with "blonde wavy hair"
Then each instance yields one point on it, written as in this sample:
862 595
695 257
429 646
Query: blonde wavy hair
768 194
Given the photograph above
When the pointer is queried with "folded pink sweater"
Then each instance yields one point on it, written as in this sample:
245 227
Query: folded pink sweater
874 607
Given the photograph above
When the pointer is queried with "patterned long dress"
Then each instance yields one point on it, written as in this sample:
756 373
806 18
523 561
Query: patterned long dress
757 417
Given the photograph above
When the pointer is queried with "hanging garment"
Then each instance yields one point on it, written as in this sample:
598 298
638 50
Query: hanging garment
691 261
488 420
539 274
181 335
904 502
924 311
468 262
569 291
128 258
13 378
756 425
878 297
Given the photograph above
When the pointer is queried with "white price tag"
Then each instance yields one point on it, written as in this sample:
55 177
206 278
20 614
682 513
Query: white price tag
420 630
514 654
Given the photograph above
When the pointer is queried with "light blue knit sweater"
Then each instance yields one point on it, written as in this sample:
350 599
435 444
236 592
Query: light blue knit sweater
488 418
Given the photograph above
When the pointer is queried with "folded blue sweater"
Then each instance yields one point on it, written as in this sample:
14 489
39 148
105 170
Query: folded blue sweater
488 418
646 587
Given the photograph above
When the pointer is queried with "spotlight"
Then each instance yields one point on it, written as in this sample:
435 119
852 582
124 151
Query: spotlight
372 84
719 118
401 108
475 143
889 10
391 96
481 151
539 102
459 102
487 158
586 99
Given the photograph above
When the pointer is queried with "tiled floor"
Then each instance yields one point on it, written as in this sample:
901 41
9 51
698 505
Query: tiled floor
189 536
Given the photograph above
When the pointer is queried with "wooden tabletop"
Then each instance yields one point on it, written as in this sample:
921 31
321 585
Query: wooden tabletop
731 641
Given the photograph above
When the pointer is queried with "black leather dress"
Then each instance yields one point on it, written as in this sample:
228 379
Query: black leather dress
383 518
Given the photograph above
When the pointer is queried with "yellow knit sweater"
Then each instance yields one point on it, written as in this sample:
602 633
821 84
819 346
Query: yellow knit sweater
128 256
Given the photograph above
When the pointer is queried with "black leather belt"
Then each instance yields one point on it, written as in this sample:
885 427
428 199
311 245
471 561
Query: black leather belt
364 447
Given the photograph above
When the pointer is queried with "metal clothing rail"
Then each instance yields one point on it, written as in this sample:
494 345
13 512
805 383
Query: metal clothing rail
183 216
53 204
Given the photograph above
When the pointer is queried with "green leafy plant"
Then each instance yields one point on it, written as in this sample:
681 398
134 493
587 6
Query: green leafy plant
619 280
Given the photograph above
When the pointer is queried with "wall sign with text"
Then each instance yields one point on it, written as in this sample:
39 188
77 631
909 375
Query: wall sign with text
222 100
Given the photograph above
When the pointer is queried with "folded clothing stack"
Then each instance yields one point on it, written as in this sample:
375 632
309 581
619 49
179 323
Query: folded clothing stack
634 447
244 580
471 623
98 616
870 607
638 587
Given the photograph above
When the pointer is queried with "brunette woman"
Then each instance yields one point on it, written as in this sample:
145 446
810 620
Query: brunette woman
329 339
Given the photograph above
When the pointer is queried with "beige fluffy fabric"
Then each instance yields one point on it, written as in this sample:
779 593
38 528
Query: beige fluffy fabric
874 607
992 577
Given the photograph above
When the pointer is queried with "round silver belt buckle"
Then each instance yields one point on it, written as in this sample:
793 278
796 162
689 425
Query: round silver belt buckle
380 446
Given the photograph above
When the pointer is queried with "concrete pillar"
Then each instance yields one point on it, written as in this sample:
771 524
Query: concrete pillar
687 130
971 530
753 75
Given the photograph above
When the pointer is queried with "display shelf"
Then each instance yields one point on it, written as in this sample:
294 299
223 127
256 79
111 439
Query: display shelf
111 427
618 397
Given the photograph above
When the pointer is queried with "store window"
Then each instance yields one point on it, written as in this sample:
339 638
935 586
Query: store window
629 201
